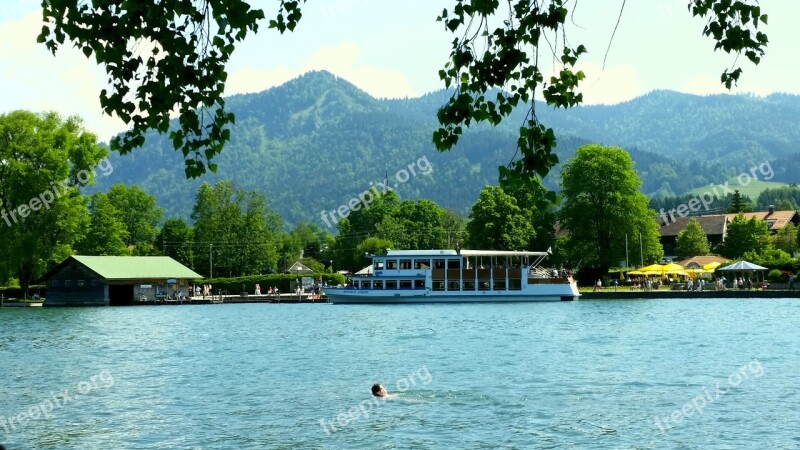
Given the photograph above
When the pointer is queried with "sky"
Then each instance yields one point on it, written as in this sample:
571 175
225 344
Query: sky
395 49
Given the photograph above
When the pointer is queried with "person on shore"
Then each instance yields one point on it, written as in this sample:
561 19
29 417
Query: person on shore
258 289
791 282
379 391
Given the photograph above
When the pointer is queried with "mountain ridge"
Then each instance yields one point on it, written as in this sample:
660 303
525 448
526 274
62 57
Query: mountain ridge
314 142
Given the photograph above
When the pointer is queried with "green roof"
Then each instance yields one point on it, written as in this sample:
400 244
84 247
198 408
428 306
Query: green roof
136 267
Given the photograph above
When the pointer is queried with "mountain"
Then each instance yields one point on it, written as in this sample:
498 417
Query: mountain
317 141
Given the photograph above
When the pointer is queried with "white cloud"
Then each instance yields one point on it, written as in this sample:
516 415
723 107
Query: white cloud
612 85
341 59
34 79
250 79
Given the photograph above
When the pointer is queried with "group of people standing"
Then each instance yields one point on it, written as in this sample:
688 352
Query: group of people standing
270 291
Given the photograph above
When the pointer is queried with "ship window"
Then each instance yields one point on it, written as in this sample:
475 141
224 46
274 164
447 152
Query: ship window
438 264
438 285
356 284
499 285
377 284
378 264
514 284
366 284
453 286
469 285
483 285
422 264
419 284
391 264
391 284
405 264
405 284
454 263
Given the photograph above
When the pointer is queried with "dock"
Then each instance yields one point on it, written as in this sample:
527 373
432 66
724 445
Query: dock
239 299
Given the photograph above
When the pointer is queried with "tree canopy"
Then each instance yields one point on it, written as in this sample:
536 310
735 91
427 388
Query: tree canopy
107 234
496 222
602 205
236 232
139 214
692 241
492 68
43 161
745 236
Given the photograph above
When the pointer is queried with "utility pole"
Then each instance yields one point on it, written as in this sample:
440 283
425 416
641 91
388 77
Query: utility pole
211 259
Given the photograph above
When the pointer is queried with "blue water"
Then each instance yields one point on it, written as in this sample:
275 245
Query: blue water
587 374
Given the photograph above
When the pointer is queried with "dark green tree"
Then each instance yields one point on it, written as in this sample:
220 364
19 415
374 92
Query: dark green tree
455 230
786 239
738 204
307 238
175 240
43 161
235 230
602 204
497 223
138 212
107 234
371 246
692 241
745 236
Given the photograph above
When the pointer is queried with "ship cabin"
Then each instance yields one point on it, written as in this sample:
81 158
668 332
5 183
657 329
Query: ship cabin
449 270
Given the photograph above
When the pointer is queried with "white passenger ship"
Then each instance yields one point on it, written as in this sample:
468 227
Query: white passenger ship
437 276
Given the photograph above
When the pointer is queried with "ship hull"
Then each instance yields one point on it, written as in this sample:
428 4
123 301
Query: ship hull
355 296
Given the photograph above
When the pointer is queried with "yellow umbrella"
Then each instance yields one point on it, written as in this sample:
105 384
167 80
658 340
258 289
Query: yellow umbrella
672 269
711 266
651 268
636 272
696 271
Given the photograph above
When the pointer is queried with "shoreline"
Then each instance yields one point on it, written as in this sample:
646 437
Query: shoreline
666 294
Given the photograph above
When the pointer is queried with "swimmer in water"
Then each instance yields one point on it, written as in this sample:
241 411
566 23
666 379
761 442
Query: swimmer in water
379 391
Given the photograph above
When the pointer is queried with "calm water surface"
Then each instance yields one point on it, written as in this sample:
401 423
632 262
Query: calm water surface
588 374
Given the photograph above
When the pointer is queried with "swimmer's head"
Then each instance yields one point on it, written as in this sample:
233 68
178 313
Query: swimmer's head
378 391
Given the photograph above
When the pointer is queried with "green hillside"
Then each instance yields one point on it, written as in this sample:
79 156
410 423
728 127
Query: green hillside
317 141
753 189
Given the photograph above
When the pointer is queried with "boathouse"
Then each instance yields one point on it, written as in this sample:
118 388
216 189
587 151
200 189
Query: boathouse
116 280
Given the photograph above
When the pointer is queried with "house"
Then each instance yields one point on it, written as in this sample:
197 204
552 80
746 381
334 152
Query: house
299 268
715 226
775 219
698 262
115 280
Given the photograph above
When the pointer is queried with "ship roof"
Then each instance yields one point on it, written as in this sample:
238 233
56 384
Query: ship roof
501 253
461 253
421 253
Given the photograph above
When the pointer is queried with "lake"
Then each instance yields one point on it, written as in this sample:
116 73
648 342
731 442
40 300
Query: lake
712 373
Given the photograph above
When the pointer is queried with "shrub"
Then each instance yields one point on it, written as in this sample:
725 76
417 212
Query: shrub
775 276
